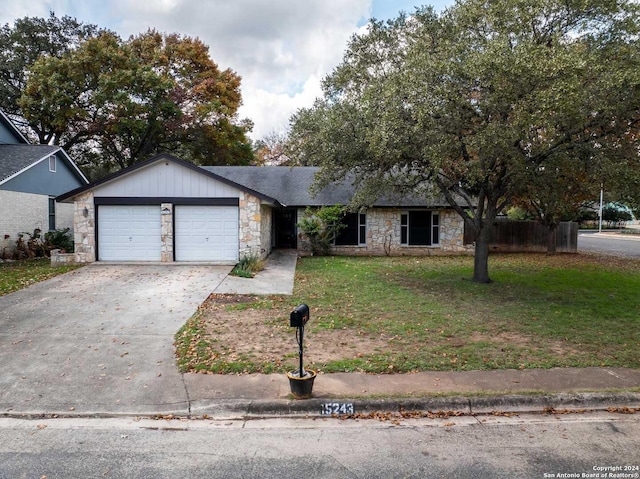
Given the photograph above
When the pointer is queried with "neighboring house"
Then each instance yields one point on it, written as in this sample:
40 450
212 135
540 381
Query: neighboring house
31 176
166 209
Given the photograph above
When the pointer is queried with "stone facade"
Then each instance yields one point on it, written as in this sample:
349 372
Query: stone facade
250 226
166 232
383 236
60 259
84 235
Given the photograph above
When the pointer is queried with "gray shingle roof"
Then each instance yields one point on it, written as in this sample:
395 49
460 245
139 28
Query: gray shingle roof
290 186
14 158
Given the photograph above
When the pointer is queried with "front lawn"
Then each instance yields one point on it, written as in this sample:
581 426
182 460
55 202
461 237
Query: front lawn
16 275
415 314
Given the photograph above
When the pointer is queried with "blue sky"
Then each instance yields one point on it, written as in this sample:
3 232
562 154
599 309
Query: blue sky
281 48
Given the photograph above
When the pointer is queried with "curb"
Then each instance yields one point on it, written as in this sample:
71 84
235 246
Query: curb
237 409
323 407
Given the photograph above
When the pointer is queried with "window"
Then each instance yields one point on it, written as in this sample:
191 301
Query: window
52 214
420 228
356 231
52 163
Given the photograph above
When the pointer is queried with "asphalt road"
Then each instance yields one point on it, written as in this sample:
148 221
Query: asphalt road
534 446
609 244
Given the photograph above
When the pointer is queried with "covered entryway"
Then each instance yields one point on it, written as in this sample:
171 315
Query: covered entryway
284 225
206 233
129 233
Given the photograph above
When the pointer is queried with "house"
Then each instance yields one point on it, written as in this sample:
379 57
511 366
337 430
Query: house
31 176
166 209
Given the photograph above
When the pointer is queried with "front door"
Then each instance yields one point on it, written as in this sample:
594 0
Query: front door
285 221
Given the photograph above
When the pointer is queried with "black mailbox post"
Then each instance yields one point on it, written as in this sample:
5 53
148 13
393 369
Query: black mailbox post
298 318
301 381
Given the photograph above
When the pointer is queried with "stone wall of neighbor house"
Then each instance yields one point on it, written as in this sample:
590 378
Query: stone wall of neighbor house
84 234
64 216
383 236
250 225
24 213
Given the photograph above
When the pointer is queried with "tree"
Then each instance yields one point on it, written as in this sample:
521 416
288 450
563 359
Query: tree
470 100
22 44
555 191
113 103
271 150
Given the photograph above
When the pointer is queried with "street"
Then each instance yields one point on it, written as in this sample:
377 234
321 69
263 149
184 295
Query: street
619 245
525 446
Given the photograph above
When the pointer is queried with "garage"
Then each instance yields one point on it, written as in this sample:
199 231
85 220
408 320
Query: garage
206 233
129 233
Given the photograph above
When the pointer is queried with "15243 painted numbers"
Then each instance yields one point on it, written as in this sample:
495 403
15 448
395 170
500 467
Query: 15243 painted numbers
331 408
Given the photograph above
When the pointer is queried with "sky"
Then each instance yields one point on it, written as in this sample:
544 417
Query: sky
282 49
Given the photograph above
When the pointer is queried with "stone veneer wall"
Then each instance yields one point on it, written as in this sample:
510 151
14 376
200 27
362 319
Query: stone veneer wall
84 234
166 232
383 236
250 225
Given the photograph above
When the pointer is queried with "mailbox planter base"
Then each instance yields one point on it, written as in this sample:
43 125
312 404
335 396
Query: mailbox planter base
301 387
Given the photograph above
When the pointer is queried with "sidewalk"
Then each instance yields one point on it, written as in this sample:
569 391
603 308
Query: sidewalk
464 391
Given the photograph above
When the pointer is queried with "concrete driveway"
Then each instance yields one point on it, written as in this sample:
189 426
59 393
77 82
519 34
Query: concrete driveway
100 339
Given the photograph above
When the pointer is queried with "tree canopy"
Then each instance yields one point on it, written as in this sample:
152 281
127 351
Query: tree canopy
28 39
476 100
111 102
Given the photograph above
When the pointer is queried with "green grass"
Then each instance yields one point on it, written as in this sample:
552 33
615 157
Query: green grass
539 312
21 274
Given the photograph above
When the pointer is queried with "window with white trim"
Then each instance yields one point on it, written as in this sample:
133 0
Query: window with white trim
52 163
420 228
355 232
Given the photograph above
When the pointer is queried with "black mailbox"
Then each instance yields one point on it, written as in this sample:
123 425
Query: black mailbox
299 316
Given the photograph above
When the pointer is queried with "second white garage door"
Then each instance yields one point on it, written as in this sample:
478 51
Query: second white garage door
206 233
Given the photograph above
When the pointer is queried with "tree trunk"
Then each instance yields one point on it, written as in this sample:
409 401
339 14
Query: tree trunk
551 238
481 255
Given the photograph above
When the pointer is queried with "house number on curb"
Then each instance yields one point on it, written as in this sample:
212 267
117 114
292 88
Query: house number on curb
330 408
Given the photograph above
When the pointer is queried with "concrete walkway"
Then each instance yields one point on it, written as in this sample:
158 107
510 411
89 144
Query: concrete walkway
276 278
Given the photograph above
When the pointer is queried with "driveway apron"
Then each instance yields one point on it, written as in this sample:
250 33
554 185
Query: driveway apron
100 339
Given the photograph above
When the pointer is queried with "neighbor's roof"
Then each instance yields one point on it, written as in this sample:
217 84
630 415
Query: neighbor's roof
6 121
16 158
291 185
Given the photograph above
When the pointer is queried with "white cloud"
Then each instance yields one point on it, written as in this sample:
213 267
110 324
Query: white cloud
281 48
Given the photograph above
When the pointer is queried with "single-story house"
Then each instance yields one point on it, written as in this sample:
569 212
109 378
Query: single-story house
166 209
31 176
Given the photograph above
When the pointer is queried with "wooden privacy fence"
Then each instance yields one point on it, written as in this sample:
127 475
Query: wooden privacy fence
513 236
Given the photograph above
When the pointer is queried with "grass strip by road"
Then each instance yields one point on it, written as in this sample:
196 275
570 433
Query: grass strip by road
384 315
15 275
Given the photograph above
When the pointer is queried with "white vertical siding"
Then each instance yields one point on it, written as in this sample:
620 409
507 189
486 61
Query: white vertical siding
167 179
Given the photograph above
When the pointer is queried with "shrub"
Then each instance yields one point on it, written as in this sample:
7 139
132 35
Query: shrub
321 226
59 239
248 265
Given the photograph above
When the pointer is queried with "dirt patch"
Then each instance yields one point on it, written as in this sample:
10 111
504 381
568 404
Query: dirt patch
264 335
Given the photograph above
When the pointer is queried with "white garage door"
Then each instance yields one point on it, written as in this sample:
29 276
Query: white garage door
128 233
206 233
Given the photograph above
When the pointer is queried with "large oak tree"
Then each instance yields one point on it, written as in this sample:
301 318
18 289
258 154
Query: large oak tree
469 102
112 102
